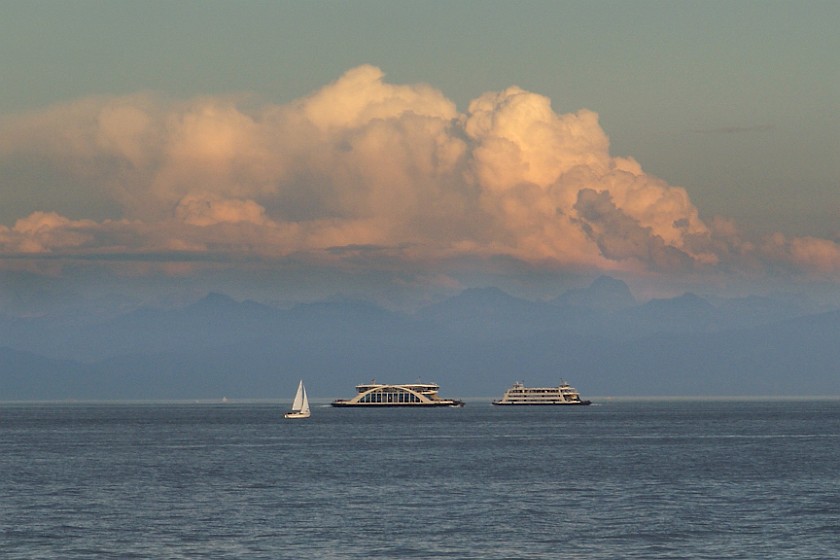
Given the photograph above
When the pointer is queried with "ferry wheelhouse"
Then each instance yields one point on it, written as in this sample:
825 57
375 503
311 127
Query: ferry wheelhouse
414 394
563 394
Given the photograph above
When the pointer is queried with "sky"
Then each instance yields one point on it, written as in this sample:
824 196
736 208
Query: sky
402 151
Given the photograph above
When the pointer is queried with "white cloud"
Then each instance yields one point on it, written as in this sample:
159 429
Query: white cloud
45 232
362 162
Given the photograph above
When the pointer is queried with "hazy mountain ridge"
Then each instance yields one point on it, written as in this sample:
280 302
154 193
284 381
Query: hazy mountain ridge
604 293
474 344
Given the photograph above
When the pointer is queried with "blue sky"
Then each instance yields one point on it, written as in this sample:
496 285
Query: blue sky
725 114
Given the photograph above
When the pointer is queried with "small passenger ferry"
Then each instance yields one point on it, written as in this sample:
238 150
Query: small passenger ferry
563 394
412 394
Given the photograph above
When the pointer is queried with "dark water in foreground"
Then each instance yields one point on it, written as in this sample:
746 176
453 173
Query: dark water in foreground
677 479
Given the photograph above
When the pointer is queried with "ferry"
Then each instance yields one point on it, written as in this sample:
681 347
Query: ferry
412 394
563 394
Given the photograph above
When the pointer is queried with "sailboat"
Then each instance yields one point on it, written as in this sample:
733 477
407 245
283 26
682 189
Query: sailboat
300 406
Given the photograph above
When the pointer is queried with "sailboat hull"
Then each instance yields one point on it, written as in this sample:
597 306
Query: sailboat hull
296 415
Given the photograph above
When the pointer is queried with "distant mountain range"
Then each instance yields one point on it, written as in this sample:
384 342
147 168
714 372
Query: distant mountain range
598 338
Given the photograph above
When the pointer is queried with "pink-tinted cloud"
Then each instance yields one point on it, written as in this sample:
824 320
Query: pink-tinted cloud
365 163
46 232
820 257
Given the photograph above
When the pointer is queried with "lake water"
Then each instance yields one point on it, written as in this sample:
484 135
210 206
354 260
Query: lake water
620 479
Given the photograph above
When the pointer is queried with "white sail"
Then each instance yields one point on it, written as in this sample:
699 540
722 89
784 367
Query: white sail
304 405
300 406
297 404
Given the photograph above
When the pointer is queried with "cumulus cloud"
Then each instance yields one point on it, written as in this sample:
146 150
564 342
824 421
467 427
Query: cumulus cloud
621 237
207 210
45 232
365 163
819 256
518 138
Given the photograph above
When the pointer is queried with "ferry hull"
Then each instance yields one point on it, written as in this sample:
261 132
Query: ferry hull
578 403
348 404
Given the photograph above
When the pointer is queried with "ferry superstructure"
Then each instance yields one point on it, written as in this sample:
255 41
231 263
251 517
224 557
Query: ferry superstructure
563 394
411 394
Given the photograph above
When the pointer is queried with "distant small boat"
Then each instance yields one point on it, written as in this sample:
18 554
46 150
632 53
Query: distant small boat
300 406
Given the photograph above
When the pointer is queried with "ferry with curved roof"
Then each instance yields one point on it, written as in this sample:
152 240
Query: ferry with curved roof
410 394
563 394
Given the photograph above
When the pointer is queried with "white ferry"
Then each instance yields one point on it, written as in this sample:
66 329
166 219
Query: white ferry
563 394
412 394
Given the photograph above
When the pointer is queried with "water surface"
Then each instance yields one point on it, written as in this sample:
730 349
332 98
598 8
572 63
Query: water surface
619 479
